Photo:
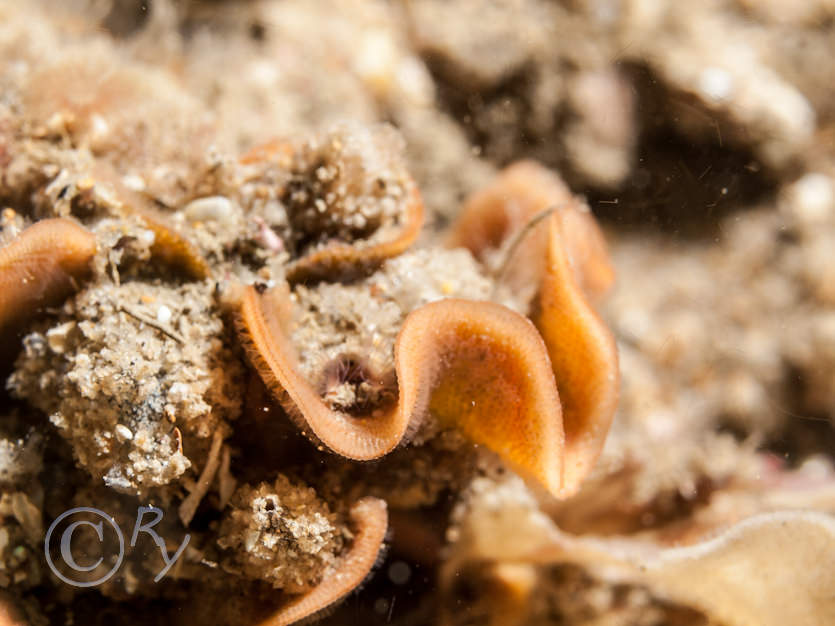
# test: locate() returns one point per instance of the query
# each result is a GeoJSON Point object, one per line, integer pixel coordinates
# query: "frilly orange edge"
{"type": "Point", "coordinates": [575, 273]}
{"type": "Point", "coordinates": [41, 267]}
{"type": "Point", "coordinates": [541, 395]}
{"type": "Point", "coordinates": [370, 521]}
{"type": "Point", "coordinates": [336, 258]}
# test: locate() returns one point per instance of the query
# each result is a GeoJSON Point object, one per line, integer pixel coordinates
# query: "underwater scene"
{"type": "Point", "coordinates": [417, 312]}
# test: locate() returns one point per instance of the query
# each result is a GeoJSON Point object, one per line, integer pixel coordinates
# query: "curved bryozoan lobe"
{"type": "Point", "coordinates": [492, 381]}
{"type": "Point", "coordinates": [478, 366]}
{"type": "Point", "coordinates": [583, 354]}
{"type": "Point", "coordinates": [350, 201]}
{"type": "Point", "coordinates": [170, 246]}
{"type": "Point", "coordinates": [565, 255]}
{"type": "Point", "coordinates": [345, 259]}
{"type": "Point", "coordinates": [492, 216]}
{"type": "Point", "coordinates": [41, 267]}
{"type": "Point", "coordinates": [370, 523]}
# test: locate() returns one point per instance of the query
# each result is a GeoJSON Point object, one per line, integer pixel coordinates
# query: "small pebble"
{"type": "Point", "coordinates": [163, 314]}
{"type": "Point", "coordinates": [134, 182]}
{"type": "Point", "coordinates": [178, 392]}
{"type": "Point", "coordinates": [57, 337]}
{"type": "Point", "coordinates": [211, 208]}
{"type": "Point", "coordinates": [147, 236]}
{"type": "Point", "coordinates": [123, 433]}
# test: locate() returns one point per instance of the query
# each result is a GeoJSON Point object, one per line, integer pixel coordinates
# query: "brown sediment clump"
{"type": "Point", "coordinates": [126, 372]}
{"type": "Point", "coordinates": [170, 247]}
{"type": "Point", "coordinates": [337, 258]}
{"type": "Point", "coordinates": [365, 536]}
{"type": "Point", "coordinates": [282, 533]}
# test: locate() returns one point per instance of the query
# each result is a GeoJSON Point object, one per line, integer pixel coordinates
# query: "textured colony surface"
{"type": "Point", "coordinates": [501, 313]}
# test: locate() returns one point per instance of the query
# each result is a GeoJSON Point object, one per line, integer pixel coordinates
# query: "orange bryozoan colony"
{"type": "Point", "coordinates": [517, 362]}
{"type": "Point", "coordinates": [539, 392]}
